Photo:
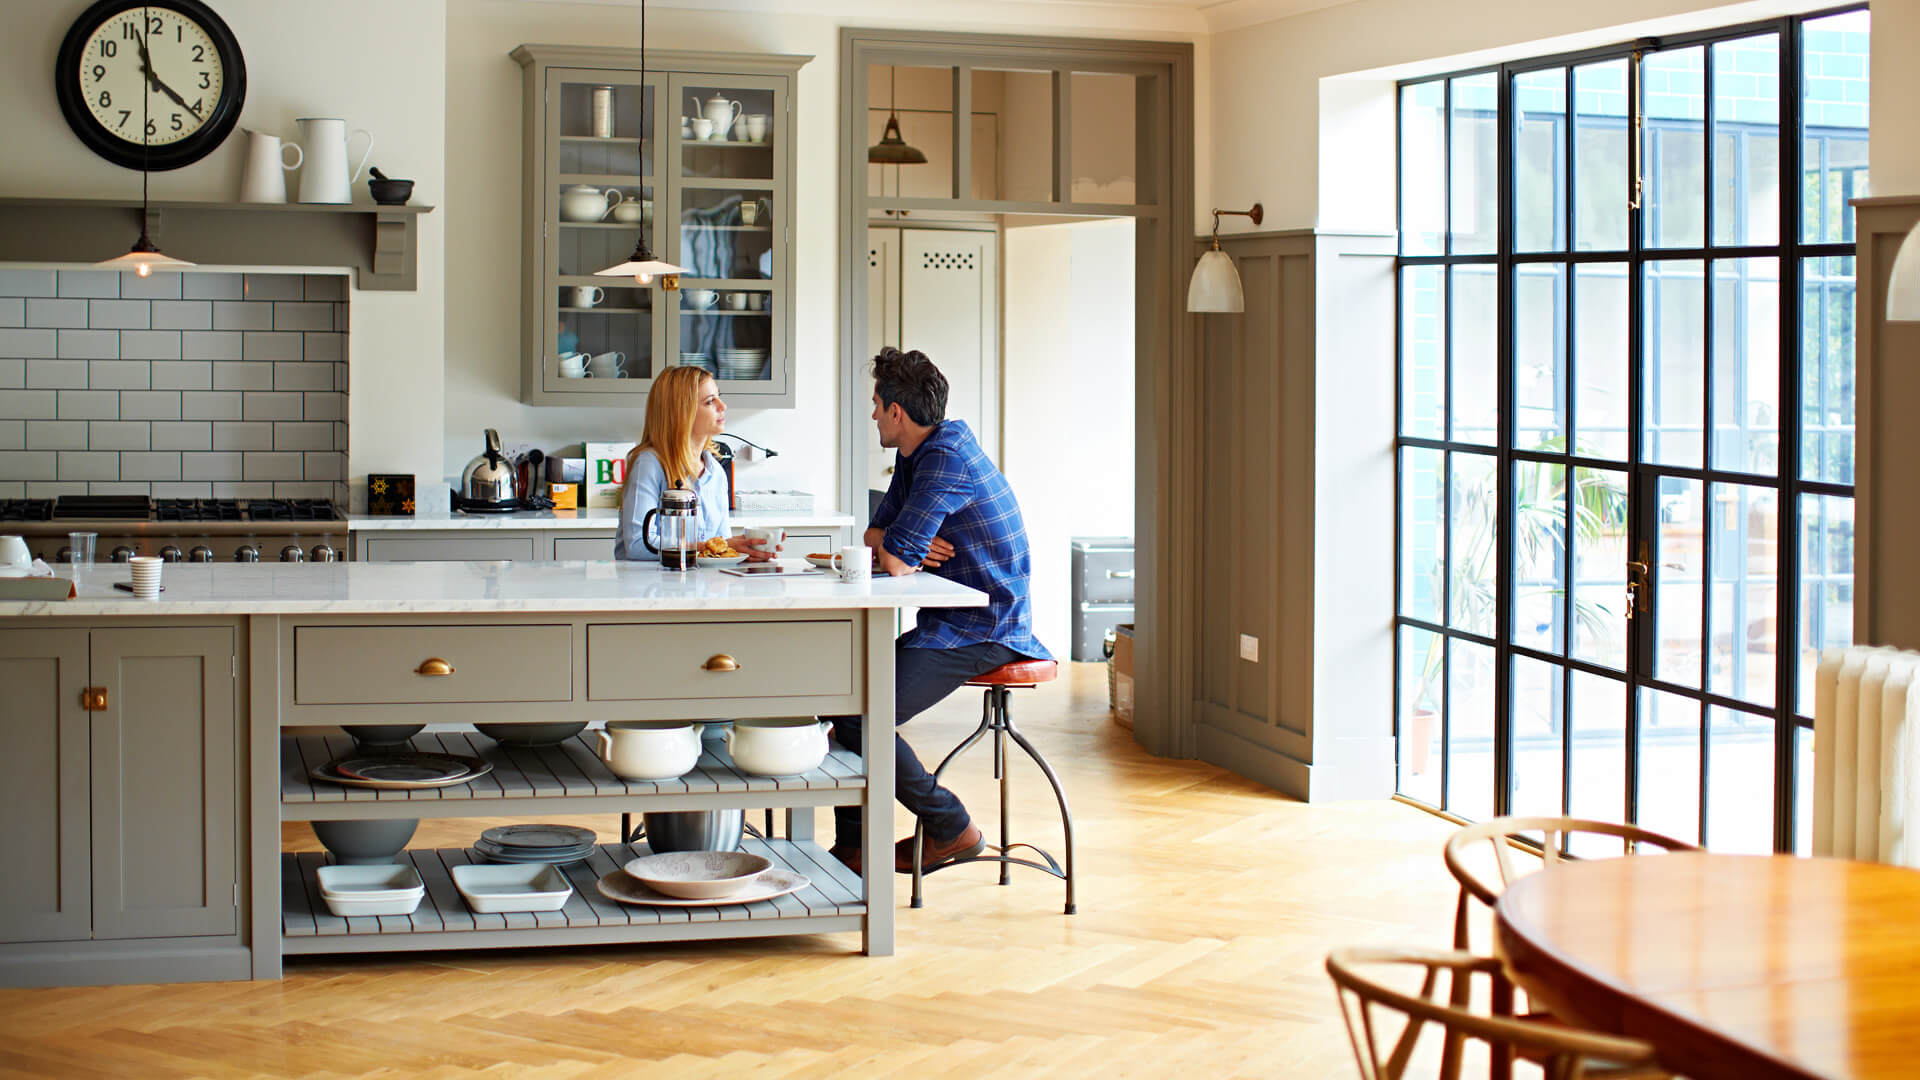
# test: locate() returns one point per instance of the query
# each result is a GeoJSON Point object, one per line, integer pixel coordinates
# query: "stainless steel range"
{"type": "Point", "coordinates": [181, 530]}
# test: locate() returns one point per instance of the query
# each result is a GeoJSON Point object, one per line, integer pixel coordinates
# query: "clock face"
{"type": "Point", "coordinates": [185, 82]}
{"type": "Point", "coordinates": [154, 85]}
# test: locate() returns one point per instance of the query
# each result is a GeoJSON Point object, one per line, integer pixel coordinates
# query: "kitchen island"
{"type": "Point", "coordinates": [148, 743]}
{"type": "Point", "coordinates": [556, 534]}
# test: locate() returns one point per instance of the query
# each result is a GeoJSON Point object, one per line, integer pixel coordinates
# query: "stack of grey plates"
{"type": "Point", "coordinates": [696, 359]}
{"type": "Point", "coordinates": [742, 363]}
{"type": "Point", "coordinates": [557, 844]}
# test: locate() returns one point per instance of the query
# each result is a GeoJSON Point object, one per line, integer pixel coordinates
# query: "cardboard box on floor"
{"type": "Point", "coordinates": [1120, 686]}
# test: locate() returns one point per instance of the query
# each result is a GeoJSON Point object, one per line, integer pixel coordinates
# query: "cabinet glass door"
{"type": "Point", "coordinates": [599, 196]}
{"type": "Point", "coordinates": [730, 221]}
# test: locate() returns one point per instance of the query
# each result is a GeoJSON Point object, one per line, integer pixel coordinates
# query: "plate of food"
{"type": "Point", "coordinates": [823, 560]}
{"type": "Point", "coordinates": [717, 552]}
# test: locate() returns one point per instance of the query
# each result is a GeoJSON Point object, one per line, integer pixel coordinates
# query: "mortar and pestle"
{"type": "Point", "coordinates": [388, 191]}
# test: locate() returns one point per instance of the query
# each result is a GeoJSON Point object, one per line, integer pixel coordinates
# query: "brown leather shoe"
{"type": "Point", "coordinates": [848, 856]}
{"type": "Point", "coordinates": [966, 845]}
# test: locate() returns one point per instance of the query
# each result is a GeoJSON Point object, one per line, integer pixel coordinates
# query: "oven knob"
{"type": "Point", "coordinates": [65, 555]}
{"type": "Point", "coordinates": [170, 553]}
{"type": "Point", "coordinates": [292, 553]}
{"type": "Point", "coordinates": [246, 553]}
{"type": "Point", "coordinates": [325, 553]}
{"type": "Point", "coordinates": [122, 553]}
{"type": "Point", "coordinates": [200, 553]}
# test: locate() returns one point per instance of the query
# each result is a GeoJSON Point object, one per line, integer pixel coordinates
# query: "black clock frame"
{"type": "Point", "coordinates": [132, 155]}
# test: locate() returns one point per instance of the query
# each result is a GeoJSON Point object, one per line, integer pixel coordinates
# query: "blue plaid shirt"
{"type": "Point", "coordinates": [949, 489]}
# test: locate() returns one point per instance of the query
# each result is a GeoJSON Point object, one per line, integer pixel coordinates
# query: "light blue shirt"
{"type": "Point", "coordinates": [645, 481]}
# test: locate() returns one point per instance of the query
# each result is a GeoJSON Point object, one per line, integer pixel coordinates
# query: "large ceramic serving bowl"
{"type": "Point", "coordinates": [532, 734]}
{"type": "Point", "coordinates": [779, 746]}
{"type": "Point", "coordinates": [365, 843]}
{"type": "Point", "coordinates": [383, 734]}
{"type": "Point", "coordinates": [650, 749]}
{"type": "Point", "coordinates": [699, 875]}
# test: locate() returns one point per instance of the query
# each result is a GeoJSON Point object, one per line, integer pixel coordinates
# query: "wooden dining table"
{"type": "Point", "coordinates": [1730, 965]}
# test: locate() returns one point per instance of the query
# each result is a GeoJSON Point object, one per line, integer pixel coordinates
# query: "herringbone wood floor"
{"type": "Point", "coordinates": [1207, 905]}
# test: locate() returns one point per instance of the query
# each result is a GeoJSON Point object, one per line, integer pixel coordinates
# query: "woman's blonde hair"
{"type": "Point", "coordinates": [671, 403]}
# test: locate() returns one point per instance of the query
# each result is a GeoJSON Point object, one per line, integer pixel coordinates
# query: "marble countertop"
{"type": "Point", "coordinates": [606, 518]}
{"type": "Point", "coordinates": [358, 588]}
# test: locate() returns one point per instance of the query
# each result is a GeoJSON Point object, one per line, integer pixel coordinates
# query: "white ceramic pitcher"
{"type": "Point", "coordinates": [264, 178]}
{"type": "Point", "coordinates": [719, 110]}
{"type": "Point", "coordinates": [325, 179]}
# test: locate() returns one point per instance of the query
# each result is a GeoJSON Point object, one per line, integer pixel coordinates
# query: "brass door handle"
{"type": "Point", "coordinates": [433, 665]}
{"type": "Point", "coordinates": [721, 662]}
{"type": "Point", "coordinates": [94, 699]}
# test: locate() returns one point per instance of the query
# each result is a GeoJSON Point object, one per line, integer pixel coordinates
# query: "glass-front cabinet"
{"type": "Point", "coordinates": [698, 154]}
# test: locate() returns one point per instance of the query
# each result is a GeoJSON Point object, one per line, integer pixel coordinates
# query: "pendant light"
{"type": "Point", "coordinates": [892, 149]}
{"type": "Point", "coordinates": [1216, 284]}
{"type": "Point", "coordinates": [144, 258]}
{"type": "Point", "coordinates": [643, 265]}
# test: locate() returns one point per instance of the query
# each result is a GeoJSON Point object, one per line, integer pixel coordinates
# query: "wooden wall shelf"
{"type": "Point", "coordinates": [380, 243]}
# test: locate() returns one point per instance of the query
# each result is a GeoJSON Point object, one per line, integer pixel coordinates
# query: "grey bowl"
{"type": "Point", "coordinates": [383, 734]}
{"type": "Point", "coordinates": [365, 843]}
{"type": "Point", "coordinates": [532, 734]}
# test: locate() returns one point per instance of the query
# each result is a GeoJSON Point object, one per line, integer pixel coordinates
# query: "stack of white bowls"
{"type": "Point", "coordinates": [146, 576]}
{"type": "Point", "coordinates": [696, 359]}
{"type": "Point", "coordinates": [742, 363]}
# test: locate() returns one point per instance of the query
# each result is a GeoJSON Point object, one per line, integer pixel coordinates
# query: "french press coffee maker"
{"type": "Point", "coordinates": [677, 518]}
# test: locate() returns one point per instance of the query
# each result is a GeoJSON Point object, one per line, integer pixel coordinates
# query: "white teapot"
{"type": "Point", "coordinates": [719, 110]}
{"type": "Point", "coordinates": [584, 203]}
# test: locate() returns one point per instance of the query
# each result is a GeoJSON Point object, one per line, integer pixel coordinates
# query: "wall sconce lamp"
{"type": "Point", "coordinates": [1903, 284]}
{"type": "Point", "coordinates": [1216, 284]}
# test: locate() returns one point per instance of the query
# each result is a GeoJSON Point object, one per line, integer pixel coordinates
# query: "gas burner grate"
{"type": "Point", "coordinates": [26, 509]}
{"type": "Point", "coordinates": [291, 510]}
{"type": "Point", "coordinates": [197, 510]}
{"type": "Point", "coordinates": [103, 507]}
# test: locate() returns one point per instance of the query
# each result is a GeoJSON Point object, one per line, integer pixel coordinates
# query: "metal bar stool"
{"type": "Point", "coordinates": [997, 718]}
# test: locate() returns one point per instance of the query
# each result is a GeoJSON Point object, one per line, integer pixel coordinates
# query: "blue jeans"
{"type": "Point", "coordinates": [921, 678]}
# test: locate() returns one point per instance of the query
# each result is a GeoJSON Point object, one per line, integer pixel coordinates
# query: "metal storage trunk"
{"type": "Point", "coordinates": [1102, 591]}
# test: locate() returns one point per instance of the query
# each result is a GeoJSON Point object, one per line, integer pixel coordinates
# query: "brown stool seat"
{"type": "Point", "coordinates": [1018, 673]}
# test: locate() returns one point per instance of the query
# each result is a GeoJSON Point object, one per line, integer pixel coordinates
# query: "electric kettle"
{"type": "Point", "coordinates": [489, 484]}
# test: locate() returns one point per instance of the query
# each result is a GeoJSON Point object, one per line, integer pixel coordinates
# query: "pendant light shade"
{"type": "Point", "coordinates": [892, 149]}
{"type": "Point", "coordinates": [1216, 284]}
{"type": "Point", "coordinates": [1903, 284]}
{"type": "Point", "coordinates": [143, 258]}
{"type": "Point", "coordinates": [643, 266]}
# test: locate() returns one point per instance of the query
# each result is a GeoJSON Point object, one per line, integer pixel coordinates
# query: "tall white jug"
{"type": "Point", "coordinates": [325, 179]}
{"type": "Point", "coordinates": [264, 179]}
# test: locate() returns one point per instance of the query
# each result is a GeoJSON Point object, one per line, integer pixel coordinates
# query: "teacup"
{"type": "Point", "coordinates": [738, 301]}
{"type": "Point", "coordinates": [699, 298]}
{"type": "Point", "coordinates": [573, 366]}
{"type": "Point", "coordinates": [702, 129]}
{"type": "Point", "coordinates": [586, 295]}
{"type": "Point", "coordinates": [608, 365]}
{"type": "Point", "coordinates": [629, 212]}
{"type": "Point", "coordinates": [756, 125]}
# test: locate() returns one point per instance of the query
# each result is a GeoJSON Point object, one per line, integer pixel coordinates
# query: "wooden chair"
{"type": "Point", "coordinates": [1502, 834]}
{"type": "Point", "coordinates": [1563, 1053]}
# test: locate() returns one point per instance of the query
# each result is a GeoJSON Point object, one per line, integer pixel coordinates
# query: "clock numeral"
{"type": "Point", "coordinates": [179, 33]}
{"type": "Point", "coordinates": [152, 129]}
{"type": "Point", "coordinates": [106, 99]}
{"type": "Point", "coordinates": [128, 32]}
{"type": "Point", "coordinates": [206, 81]}
{"type": "Point", "coordinates": [153, 24]}
{"type": "Point", "coordinates": [176, 122]}
{"type": "Point", "coordinates": [125, 115]}
{"type": "Point", "coordinates": [99, 71]}
{"type": "Point", "coordinates": [109, 48]}
{"type": "Point", "coordinates": [199, 54]}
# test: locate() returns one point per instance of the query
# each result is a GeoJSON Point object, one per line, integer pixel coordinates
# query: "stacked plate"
{"type": "Point", "coordinates": [403, 769]}
{"type": "Point", "coordinates": [742, 363]}
{"type": "Point", "coordinates": [696, 359]}
{"type": "Point", "coordinates": [555, 844]}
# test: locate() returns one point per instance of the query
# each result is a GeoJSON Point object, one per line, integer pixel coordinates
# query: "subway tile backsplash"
{"type": "Point", "coordinates": [194, 385]}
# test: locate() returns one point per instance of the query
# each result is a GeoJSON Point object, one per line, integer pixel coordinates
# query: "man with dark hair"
{"type": "Point", "coordinates": [950, 512]}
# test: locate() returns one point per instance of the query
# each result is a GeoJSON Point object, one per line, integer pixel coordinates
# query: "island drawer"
{"type": "Point", "coordinates": [684, 661]}
{"type": "Point", "coordinates": [392, 665]}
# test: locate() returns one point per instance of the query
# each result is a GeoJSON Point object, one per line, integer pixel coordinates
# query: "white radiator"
{"type": "Point", "coordinates": [1866, 755]}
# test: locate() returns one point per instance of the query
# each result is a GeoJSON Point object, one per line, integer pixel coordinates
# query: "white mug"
{"type": "Point", "coordinates": [738, 301]}
{"type": "Point", "coordinates": [854, 563]}
{"type": "Point", "coordinates": [264, 178]}
{"type": "Point", "coordinates": [14, 553]}
{"type": "Point", "coordinates": [607, 365]}
{"type": "Point", "coordinates": [699, 298]}
{"type": "Point", "coordinates": [573, 366]}
{"type": "Point", "coordinates": [587, 295]}
{"type": "Point", "coordinates": [756, 124]}
{"type": "Point", "coordinates": [771, 538]}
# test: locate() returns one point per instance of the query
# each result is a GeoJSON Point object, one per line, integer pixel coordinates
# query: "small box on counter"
{"type": "Point", "coordinates": [567, 470]}
{"type": "Point", "coordinates": [564, 496]}
{"type": "Point", "coordinates": [606, 472]}
{"type": "Point", "coordinates": [390, 494]}
{"type": "Point", "coordinates": [36, 588]}
{"type": "Point", "coordinates": [776, 501]}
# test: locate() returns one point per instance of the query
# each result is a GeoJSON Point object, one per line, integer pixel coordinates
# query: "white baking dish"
{"type": "Point", "coordinates": [498, 887]}
{"type": "Point", "coordinates": [370, 890]}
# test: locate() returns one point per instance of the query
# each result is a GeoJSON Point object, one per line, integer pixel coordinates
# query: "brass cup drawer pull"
{"type": "Point", "coordinates": [720, 662]}
{"type": "Point", "coordinates": [433, 665]}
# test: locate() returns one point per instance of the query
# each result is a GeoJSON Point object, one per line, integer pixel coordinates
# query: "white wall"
{"type": "Point", "coordinates": [1069, 378]}
{"type": "Point", "coordinates": [378, 64]}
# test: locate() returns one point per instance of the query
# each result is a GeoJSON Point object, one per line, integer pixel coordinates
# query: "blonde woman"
{"type": "Point", "coordinates": [684, 413]}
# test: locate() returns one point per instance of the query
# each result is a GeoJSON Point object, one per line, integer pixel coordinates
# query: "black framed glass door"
{"type": "Point", "coordinates": [1626, 423]}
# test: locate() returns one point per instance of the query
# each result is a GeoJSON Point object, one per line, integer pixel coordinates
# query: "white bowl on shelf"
{"type": "Point", "coordinates": [500, 887]}
{"type": "Point", "coordinates": [699, 875]}
{"type": "Point", "coordinates": [370, 890]}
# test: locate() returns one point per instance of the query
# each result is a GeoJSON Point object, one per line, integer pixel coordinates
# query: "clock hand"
{"type": "Point", "coordinates": [153, 78]}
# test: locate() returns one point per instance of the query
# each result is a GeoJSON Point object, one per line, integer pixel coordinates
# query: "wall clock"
{"type": "Point", "coordinates": [194, 77]}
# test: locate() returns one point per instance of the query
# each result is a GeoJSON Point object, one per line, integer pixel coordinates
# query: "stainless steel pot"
{"type": "Point", "coordinates": [695, 830]}
{"type": "Point", "coordinates": [489, 482]}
